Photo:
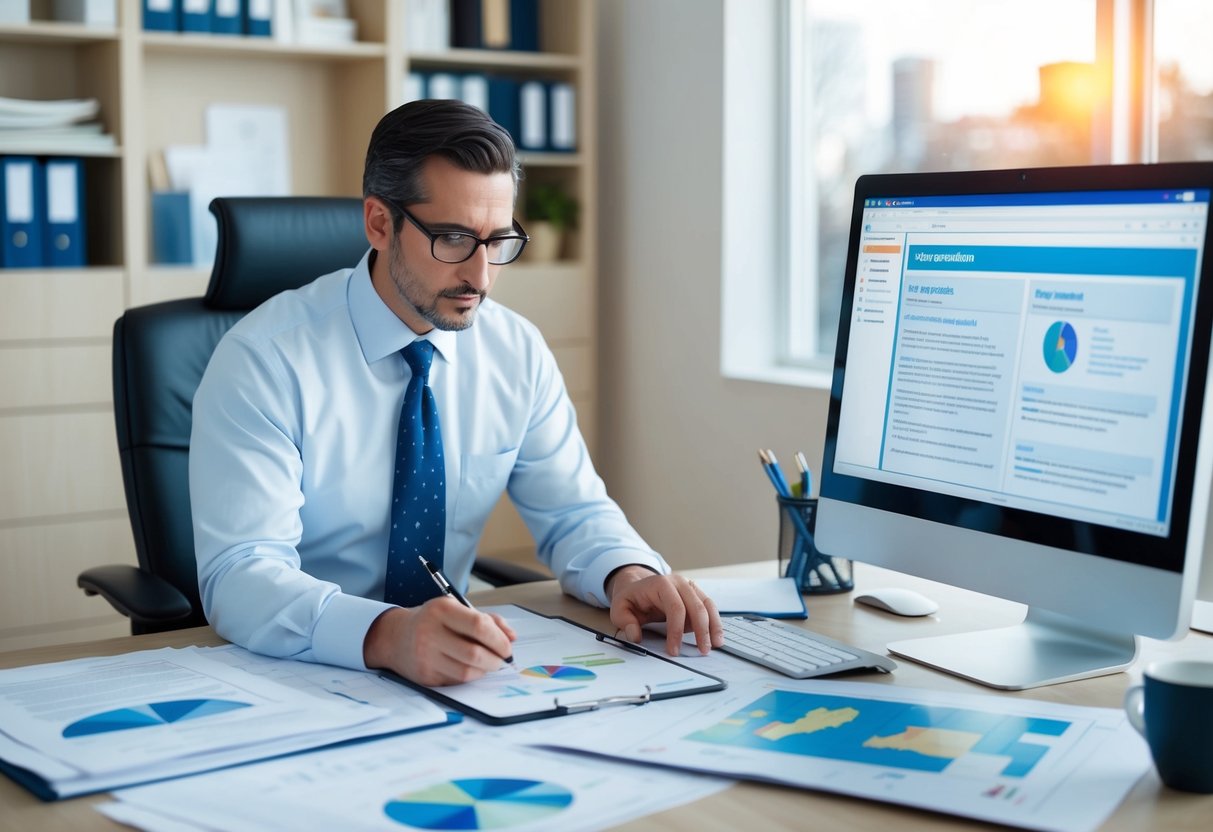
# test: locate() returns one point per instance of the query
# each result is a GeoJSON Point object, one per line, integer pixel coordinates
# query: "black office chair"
{"type": "Point", "coordinates": [266, 245]}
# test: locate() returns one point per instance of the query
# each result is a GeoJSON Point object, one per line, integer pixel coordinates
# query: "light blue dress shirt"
{"type": "Point", "coordinates": [291, 463]}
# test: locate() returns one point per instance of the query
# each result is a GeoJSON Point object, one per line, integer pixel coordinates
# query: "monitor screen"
{"type": "Point", "coordinates": [1022, 356]}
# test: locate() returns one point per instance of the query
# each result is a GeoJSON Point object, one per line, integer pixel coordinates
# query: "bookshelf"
{"type": "Point", "coordinates": [61, 504]}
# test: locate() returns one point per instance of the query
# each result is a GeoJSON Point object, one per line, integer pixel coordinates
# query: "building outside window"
{"type": "Point", "coordinates": [915, 85]}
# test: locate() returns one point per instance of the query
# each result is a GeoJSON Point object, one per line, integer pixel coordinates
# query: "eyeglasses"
{"type": "Point", "coordinates": [457, 246]}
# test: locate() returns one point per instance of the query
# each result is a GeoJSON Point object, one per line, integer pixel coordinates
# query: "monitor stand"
{"type": "Point", "coordinates": [1045, 649]}
{"type": "Point", "coordinates": [1202, 616]}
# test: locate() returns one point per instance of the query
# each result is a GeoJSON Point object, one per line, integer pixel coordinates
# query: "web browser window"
{"type": "Point", "coordinates": [1025, 350]}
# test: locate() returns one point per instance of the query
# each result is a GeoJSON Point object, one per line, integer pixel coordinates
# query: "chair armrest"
{"type": "Point", "coordinates": [500, 572]}
{"type": "Point", "coordinates": [140, 596]}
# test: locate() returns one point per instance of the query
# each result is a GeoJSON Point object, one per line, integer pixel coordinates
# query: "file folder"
{"type": "Point", "coordinates": [414, 87]}
{"type": "Point", "coordinates": [63, 243]}
{"type": "Point", "coordinates": [196, 15]}
{"type": "Point", "coordinates": [474, 90]}
{"type": "Point", "coordinates": [562, 102]}
{"type": "Point", "coordinates": [524, 25]}
{"type": "Point", "coordinates": [466, 24]}
{"type": "Point", "coordinates": [258, 21]}
{"type": "Point", "coordinates": [442, 85]}
{"type": "Point", "coordinates": [503, 103]}
{"type": "Point", "coordinates": [228, 17]}
{"type": "Point", "coordinates": [21, 198]}
{"type": "Point", "coordinates": [162, 15]}
{"type": "Point", "coordinates": [533, 119]}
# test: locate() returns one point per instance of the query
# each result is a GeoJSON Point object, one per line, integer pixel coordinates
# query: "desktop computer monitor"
{"type": "Point", "coordinates": [1017, 402]}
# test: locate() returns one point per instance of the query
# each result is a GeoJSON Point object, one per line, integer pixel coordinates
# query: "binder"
{"type": "Point", "coordinates": [474, 90]}
{"type": "Point", "coordinates": [562, 667]}
{"type": "Point", "coordinates": [495, 24]}
{"type": "Point", "coordinates": [172, 240]}
{"type": "Point", "coordinates": [258, 18]}
{"type": "Point", "coordinates": [503, 103]}
{"type": "Point", "coordinates": [227, 17]}
{"type": "Point", "coordinates": [533, 119]}
{"type": "Point", "coordinates": [21, 211]}
{"type": "Point", "coordinates": [162, 15]}
{"type": "Point", "coordinates": [63, 244]}
{"type": "Point", "coordinates": [196, 15]}
{"type": "Point", "coordinates": [442, 85]}
{"type": "Point", "coordinates": [562, 109]}
{"type": "Point", "coordinates": [414, 86]}
{"type": "Point", "coordinates": [524, 25]}
{"type": "Point", "coordinates": [466, 22]}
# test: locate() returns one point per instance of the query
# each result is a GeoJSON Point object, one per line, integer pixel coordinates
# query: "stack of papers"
{"type": "Point", "coordinates": [89, 725]}
{"type": "Point", "coordinates": [64, 126]}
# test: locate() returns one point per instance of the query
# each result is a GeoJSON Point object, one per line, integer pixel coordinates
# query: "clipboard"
{"type": "Point", "coordinates": [562, 667]}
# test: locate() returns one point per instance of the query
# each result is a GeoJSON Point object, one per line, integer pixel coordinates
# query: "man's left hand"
{"type": "Point", "coordinates": [639, 596]}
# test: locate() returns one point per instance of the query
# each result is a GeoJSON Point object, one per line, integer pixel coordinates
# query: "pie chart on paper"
{"type": "Point", "coordinates": [154, 713]}
{"type": "Point", "coordinates": [563, 672]}
{"type": "Point", "coordinates": [479, 803]}
{"type": "Point", "coordinates": [1060, 346]}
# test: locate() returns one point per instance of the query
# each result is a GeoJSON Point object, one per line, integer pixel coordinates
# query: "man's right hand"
{"type": "Point", "coordinates": [441, 642]}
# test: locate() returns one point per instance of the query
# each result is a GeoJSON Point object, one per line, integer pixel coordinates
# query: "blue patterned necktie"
{"type": "Point", "coordinates": [419, 489]}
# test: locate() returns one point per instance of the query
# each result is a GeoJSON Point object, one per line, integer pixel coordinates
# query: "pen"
{"type": "Point", "coordinates": [448, 589]}
{"type": "Point", "coordinates": [773, 473]}
{"type": "Point", "coordinates": [806, 476]}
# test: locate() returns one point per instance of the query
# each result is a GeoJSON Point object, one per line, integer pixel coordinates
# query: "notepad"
{"type": "Point", "coordinates": [771, 597]}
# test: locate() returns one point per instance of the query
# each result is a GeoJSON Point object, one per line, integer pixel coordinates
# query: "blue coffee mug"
{"type": "Point", "coordinates": [1173, 710]}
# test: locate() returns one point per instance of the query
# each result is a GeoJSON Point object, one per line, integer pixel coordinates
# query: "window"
{"type": "Point", "coordinates": [908, 85]}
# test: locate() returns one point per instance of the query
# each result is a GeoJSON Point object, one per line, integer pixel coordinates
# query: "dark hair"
{"type": "Point", "coordinates": [408, 135]}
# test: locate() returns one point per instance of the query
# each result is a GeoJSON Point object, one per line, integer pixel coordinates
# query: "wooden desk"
{"type": "Point", "coordinates": [1149, 806]}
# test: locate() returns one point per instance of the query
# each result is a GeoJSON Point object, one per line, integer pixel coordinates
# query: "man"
{"type": "Point", "coordinates": [384, 409]}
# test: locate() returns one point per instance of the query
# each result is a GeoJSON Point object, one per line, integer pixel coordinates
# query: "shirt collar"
{"type": "Point", "coordinates": [380, 333]}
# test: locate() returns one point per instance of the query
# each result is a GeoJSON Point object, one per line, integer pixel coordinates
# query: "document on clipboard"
{"type": "Point", "coordinates": [561, 667]}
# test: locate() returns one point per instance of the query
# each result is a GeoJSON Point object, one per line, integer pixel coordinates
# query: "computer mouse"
{"type": "Point", "coordinates": [897, 601]}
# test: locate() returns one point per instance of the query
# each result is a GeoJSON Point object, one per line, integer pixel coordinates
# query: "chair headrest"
{"type": "Point", "coordinates": [270, 244]}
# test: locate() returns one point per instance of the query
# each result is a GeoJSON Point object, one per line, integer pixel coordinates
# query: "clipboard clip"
{"type": "Point", "coordinates": [604, 702]}
{"type": "Point", "coordinates": [621, 644]}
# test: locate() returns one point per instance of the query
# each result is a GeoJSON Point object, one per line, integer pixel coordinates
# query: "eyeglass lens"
{"type": "Point", "coordinates": [454, 247]}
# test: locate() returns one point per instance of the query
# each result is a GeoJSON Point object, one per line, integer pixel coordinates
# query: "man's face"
{"type": "Point", "coordinates": [426, 293]}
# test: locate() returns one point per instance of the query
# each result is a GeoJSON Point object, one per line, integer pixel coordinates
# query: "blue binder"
{"type": "Point", "coordinates": [227, 17]}
{"type": "Point", "coordinates": [172, 240]}
{"type": "Point", "coordinates": [21, 200]}
{"type": "Point", "coordinates": [63, 244]}
{"type": "Point", "coordinates": [162, 15]}
{"type": "Point", "coordinates": [503, 103]}
{"type": "Point", "coordinates": [196, 15]}
{"type": "Point", "coordinates": [258, 18]}
{"type": "Point", "coordinates": [524, 25]}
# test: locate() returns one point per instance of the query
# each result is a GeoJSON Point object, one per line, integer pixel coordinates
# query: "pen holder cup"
{"type": "Point", "coordinates": [814, 572]}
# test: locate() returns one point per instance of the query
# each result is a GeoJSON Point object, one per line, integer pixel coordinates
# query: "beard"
{"type": "Point", "coordinates": [411, 289]}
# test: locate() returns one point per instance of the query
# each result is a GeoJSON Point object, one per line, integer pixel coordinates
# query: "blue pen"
{"type": "Point", "coordinates": [781, 484]}
{"type": "Point", "coordinates": [806, 476]}
{"type": "Point", "coordinates": [781, 488]}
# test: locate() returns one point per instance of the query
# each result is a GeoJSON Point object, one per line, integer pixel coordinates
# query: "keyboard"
{"type": "Point", "coordinates": [794, 651]}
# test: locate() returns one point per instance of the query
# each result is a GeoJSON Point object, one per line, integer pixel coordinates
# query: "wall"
{"type": "Point", "coordinates": [677, 441]}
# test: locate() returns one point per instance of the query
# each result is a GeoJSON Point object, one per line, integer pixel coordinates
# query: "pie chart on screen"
{"type": "Point", "coordinates": [1060, 346]}
{"type": "Point", "coordinates": [479, 803]}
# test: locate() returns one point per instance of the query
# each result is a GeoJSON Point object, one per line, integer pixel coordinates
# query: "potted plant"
{"type": "Point", "coordinates": [550, 212]}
